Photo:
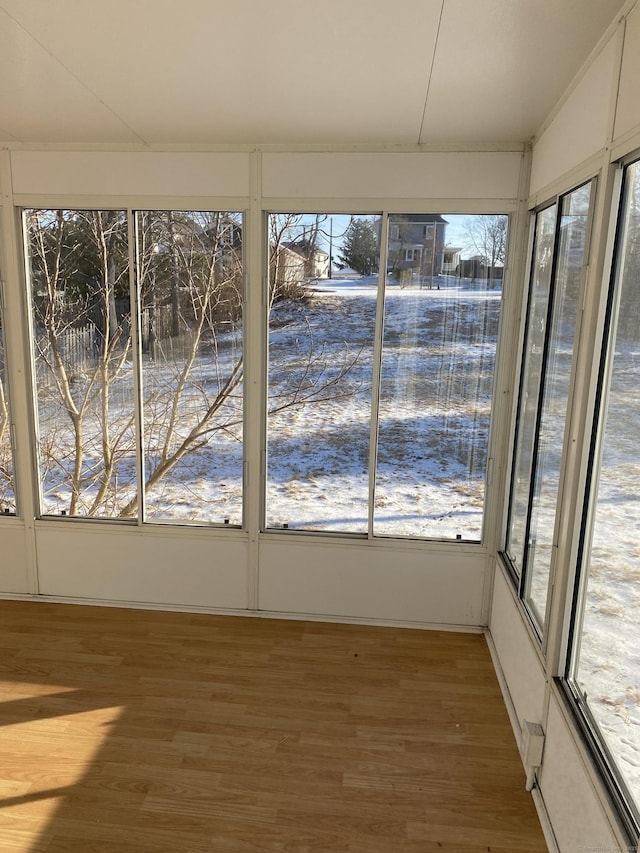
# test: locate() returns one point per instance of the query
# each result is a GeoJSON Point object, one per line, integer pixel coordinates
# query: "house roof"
{"type": "Point", "coordinates": [301, 249]}
{"type": "Point", "coordinates": [418, 218]}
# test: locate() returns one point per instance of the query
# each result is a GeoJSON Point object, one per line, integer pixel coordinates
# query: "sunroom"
{"type": "Point", "coordinates": [333, 313]}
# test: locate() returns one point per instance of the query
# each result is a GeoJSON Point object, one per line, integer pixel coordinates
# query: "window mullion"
{"type": "Point", "coordinates": [377, 370]}
{"type": "Point", "coordinates": [134, 301]}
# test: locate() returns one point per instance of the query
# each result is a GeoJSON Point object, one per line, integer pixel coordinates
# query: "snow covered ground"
{"type": "Point", "coordinates": [435, 397]}
{"type": "Point", "coordinates": [609, 663]}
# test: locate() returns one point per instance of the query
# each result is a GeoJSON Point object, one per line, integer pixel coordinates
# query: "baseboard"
{"type": "Point", "coordinates": [538, 799]}
{"type": "Point", "coordinates": [255, 614]}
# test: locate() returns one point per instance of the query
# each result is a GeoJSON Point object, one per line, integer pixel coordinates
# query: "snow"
{"type": "Point", "coordinates": [437, 368]}
{"type": "Point", "coordinates": [609, 662]}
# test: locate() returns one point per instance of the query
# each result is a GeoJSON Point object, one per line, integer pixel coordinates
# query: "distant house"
{"type": "Point", "coordinates": [316, 261]}
{"type": "Point", "coordinates": [416, 245]}
{"type": "Point", "coordinates": [287, 268]}
{"type": "Point", "coordinates": [451, 261]}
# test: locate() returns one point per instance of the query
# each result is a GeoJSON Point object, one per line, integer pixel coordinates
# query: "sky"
{"type": "Point", "coordinates": [337, 223]}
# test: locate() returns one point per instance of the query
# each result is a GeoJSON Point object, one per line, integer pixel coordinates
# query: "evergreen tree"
{"type": "Point", "coordinates": [360, 247]}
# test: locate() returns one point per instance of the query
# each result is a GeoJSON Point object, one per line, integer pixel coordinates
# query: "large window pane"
{"type": "Point", "coordinates": [321, 332]}
{"type": "Point", "coordinates": [606, 665]}
{"type": "Point", "coordinates": [531, 383]}
{"type": "Point", "coordinates": [441, 315]}
{"type": "Point", "coordinates": [567, 287]}
{"type": "Point", "coordinates": [80, 314]}
{"type": "Point", "coordinates": [7, 492]}
{"type": "Point", "coordinates": [190, 285]}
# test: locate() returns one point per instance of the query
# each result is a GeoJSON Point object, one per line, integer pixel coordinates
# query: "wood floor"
{"type": "Point", "coordinates": [134, 731]}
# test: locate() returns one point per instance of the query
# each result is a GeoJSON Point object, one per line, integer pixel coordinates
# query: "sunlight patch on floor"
{"type": "Point", "coordinates": [31, 728]}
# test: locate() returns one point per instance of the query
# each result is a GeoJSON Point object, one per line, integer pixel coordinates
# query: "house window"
{"type": "Point", "coordinates": [7, 488]}
{"type": "Point", "coordinates": [411, 255]}
{"type": "Point", "coordinates": [139, 390]}
{"type": "Point", "coordinates": [557, 274]}
{"type": "Point", "coordinates": [602, 669]}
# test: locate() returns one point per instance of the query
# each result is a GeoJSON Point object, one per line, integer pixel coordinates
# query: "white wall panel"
{"type": "Point", "coordinates": [370, 582]}
{"type": "Point", "coordinates": [130, 173]}
{"type": "Point", "coordinates": [158, 566]}
{"type": "Point", "coordinates": [628, 110]}
{"type": "Point", "coordinates": [478, 175]}
{"type": "Point", "coordinates": [576, 813]}
{"type": "Point", "coordinates": [13, 557]}
{"type": "Point", "coordinates": [579, 129]}
{"type": "Point", "coordinates": [520, 663]}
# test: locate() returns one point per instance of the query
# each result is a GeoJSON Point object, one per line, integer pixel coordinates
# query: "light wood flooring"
{"type": "Point", "coordinates": [129, 731]}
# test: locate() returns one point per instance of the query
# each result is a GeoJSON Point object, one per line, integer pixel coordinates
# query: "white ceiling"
{"type": "Point", "coordinates": [289, 71]}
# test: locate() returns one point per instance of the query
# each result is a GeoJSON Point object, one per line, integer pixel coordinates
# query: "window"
{"type": "Point", "coordinates": [438, 358]}
{"type": "Point", "coordinates": [380, 428]}
{"type": "Point", "coordinates": [559, 259]}
{"type": "Point", "coordinates": [603, 662]}
{"type": "Point", "coordinates": [379, 386]}
{"type": "Point", "coordinates": [190, 301]}
{"type": "Point", "coordinates": [81, 325]}
{"type": "Point", "coordinates": [177, 456]}
{"type": "Point", "coordinates": [7, 490]}
{"type": "Point", "coordinates": [321, 339]}
{"type": "Point", "coordinates": [411, 254]}
{"type": "Point", "coordinates": [531, 382]}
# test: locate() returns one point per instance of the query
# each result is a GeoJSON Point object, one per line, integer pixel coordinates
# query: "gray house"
{"type": "Point", "coordinates": [416, 246]}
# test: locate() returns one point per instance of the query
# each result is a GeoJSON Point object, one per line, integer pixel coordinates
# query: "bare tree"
{"type": "Point", "coordinates": [486, 236]}
{"type": "Point", "coordinates": [74, 287]}
{"type": "Point", "coordinates": [7, 492]}
{"type": "Point", "coordinates": [189, 314]}
{"type": "Point", "coordinates": [204, 263]}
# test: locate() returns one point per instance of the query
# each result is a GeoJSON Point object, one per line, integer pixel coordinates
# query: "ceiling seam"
{"type": "Point", "coordinates": [75, 76]}
{"type": "Point", "coordinates": [433, 62]}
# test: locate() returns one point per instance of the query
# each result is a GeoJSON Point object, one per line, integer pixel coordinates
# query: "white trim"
{"type": "Point", "coordinates": [538, 799]}
{"type": "Point", "coordinates": [278, 148]}
{"type": "Point", "coordinates": [391, 206]}
{"type": "Point", "coordinates": [378, 336]}
{"type": "Point", "coordinates": [569, 181]}
{"type": "Point", "coordinates": [545, 821]}
{"type": "Point", "coordinates": [75, 201]}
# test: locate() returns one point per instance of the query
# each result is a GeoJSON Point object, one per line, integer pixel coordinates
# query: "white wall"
{"type": "Point", "coordinates": [451, 176]}
{"type": "Point", "coordinates": [333, 177]}
{"type": "Point", "coordinates": [13, 556]}
{"type": "Point", "coordinates": [627, 119]}
{"type": "Point", "coordinates": [597, 116]}
{"type": "Point", "coordinates": [296, 573]}
{"type": "Point", "coordinates": [597, 121]}
{"type": "Point", "coordinates": [130, 173]}
{"type": "Point", "coordinates": [573, 801]}
{"type": "Point", "coordinates": [580, 129]}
